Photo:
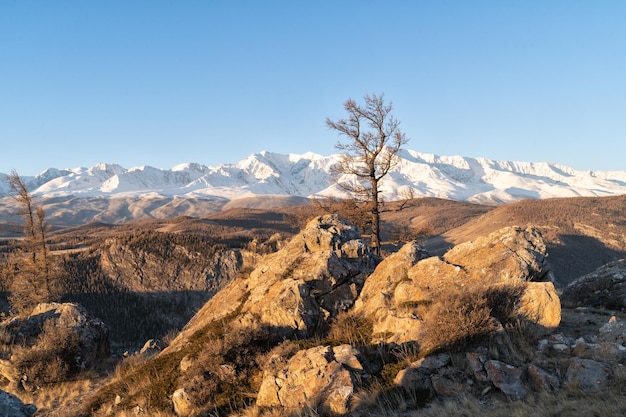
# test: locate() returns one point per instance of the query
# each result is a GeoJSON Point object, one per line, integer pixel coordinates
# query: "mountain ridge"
{"type": "Point", "coordinates": [478, 180]}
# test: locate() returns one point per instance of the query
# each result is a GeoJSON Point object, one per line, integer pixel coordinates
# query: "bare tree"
{"type": "Point", "coordinates": [370, 152]}
{"type": "Point", "coordinates": [30, 268]}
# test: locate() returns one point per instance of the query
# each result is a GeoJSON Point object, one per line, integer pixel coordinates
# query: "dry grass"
{"type": "Point", "coordinates": [57, 399]}
{"type": "Point", "coordinates": [348, 328]}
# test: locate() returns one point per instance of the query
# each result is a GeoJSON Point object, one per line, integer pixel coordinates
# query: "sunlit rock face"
{"type": "Point", "coordinates": [401, 289]}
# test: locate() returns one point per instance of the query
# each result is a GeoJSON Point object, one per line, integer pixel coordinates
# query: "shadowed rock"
{"type": "Point", "coordinates": [11, 406]}
{"type": "Point", "coordinates": [603, 288]}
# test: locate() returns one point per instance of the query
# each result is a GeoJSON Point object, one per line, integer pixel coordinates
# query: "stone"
{"type": "Point", "coordinates": [540, 305]}
{"type": "Point", "coordinates": [543, 380]}
{"type": "Point", "coordinates": [413, 379]}
{"type": "Point", "coordinates": [12, 406]}
{"type": "Point", "coordinates": [613, 331]}
{"type": "Point", "coordinates": [183, 407]}
{"type": "Point", "coordinates": [589, 375]}
{"type": "Point", "coordinates": [603, 288]}
{"type": "Point", "coordinates": [313, 378]}
{"type": "Point", "coordinates": [432, 362]}
{"type": "Point", "coordinates": [417, 375]}
{"type": "Point", "coordinates": [447, 387]}
{"type": "Point", "coordinates": [347, 355]}
{"type": "Point", "coordinates": [150, 348]}
{"type": "Point", "coordinates": [476, 362]}
{"type": "Point", "coordinates": [507, 378]}
{"type": "Point", "coordinates": [508, 253]}
{"type": "Point", "coordinates": [607, 352]}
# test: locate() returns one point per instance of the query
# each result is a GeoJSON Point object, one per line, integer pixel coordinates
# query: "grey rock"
{"type": "Point", "coordinates": [591, 376]}
{"type": "Point", "coordinates": [12, 406]}
{"type": "Point", "coordinates": [507, 378]}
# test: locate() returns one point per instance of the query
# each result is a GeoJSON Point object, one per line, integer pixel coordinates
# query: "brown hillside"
{"type": "Point", "coordinates": [581, 233]}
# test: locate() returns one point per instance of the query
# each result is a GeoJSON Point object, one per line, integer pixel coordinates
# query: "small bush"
{"type": "Point", "coordinates": [456, 318]}
{"type": "Point", "coordinates": [53, 357]}
{"type": "Point", "coordinates": [348, 328]}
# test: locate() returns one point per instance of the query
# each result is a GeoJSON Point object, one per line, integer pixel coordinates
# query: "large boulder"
{"type": "Point", "coordinates": [603, 288]}
{"type": "Point", "coordinates": [92, 333]}
{"type": "Point", "coordinates": [509, 262]}
{"type": "Point", "coordinates": [508, 253]}
{"type": "Point", "coordinates": [322, 377]}
{"type": "Point", "coordinates": [389, 293]}
{"type": "Point", "coordinates": [53, 341]}
{"type": "Point", "coordinates": [540, 305]}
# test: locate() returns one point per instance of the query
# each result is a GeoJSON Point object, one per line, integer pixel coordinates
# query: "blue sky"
{"type": "Point", "coordinates": [166, 82]}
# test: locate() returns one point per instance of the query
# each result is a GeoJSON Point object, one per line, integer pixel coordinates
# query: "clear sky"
{"type": "Point", "coordinates": [166, 82]}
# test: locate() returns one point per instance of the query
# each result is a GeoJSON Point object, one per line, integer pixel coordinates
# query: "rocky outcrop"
{"type": "Point", "coordinates": [389, 293]}
{"type": "Point", "coordinates": [177, 269]}
{"type": "Point", "coordinates": [509, 253]}
{"type": "Point", "coordinates": [319, 273]}
{"type": "Point", "coordinates": [63, 332]}
{"type": "Point", "coordinates": [321, 378]}
{"type": "Point", "coordinates": [91, 332]}
{"type": "Point", "coordinates": [298, 289]}
{"type": "Point", "coordinates": [399, 292]}
{"type": "Point", "coordinates": [589, 364]}
{"type": "Point", "coordinates": [237, 340]}
{"type": "Point", "coordinates": [603, 288]}
{"type": "Point", "coordinates": [294, 292]}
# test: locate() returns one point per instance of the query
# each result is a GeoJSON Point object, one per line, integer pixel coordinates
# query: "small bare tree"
{"type": "Point", "coordinates": [371, 151]}
{"type": "Point", "coordinates": [30, 269]}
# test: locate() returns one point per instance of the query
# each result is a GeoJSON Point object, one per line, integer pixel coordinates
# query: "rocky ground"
{"type": "Point", "coordinates": [324, 327]}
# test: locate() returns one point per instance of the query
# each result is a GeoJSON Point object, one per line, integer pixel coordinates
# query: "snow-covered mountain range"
{"type": "Point", "coordinates": [453, 177]}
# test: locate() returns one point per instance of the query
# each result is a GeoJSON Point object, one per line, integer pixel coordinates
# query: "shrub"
{"type": "Point", "coordinates": [351, 329]}
{"type": "Point", "coordinates": [456, 318]}
{"type": "Point", "coordinates": [53, 357]}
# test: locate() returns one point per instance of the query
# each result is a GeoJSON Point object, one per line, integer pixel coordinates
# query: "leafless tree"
{"type": "Point", "coordinates": [30, 269]}
{"type": "Point", "coordinates": [370, 152]}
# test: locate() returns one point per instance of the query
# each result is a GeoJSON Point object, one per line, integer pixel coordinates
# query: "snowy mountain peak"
{"type": "Point", "coordinates": [304, 175]}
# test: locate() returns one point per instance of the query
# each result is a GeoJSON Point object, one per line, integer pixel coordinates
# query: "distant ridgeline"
{"type": "Point", "coordinates": [111, 193]}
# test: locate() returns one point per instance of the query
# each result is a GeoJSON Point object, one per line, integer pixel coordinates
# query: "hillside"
{"type": "Point", "coordinates": [148, 279]}
{"type": "Point", "coordinates": [581, 234]}
{"type": "Point", "coordinates": [322, 327]}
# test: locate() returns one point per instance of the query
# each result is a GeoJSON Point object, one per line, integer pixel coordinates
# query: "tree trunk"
{"type": "Point", "coordinates": [376, 229]}
{"type": "Point", "coordinates": [375, 214]}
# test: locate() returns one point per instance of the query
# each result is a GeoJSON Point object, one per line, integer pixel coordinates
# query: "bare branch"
{"type": "Point", "coordinates": [369, 154]}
